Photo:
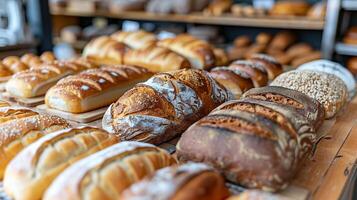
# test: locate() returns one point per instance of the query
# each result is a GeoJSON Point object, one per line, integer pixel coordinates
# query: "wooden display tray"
{"type": "Point", "coordinates": [28, 102]}
{"type": "Point", "coordinates": [80, 117]}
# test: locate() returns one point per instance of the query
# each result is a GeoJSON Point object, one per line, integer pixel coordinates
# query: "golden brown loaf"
{"type": "Point", "coordinates": [286, 8]}
{"type": "Point", "coordinates": [270, 64]}
{"type": "Point", "coordinates": [281, 41]}
{"type": "Point", "coordinates": [192, 181]}
{"type": "Point", "coordinates": [164, 106]}
{"type": "Point", "coordinates": [105, 51]}
{"type": "Point", "coordinates": [106, 174]}
{"type": "Point", "coordinates": [256, 71]}
{"type": "Point", "coordinates": [221, 57]}
{"type": "Point", "coordinates": [198, 52]}
{"type": "Point", "coordinates": [351, 36]}
{"type": "Point", "coordinates": [31, 60]}
{"type": "Point", "coordinates": [36, 81]}
{"type": "Point", "coordinates": [242, 41]}
{"type": "Point", "coordinates": [4, 71]}
{"type": "Point", "coordinates": [20, 127]}
{"type": "Point", "coordinates": [135, 40]}
{"type": "Point", "coordinates": [11, 65]}
{"type": "Point", "coordinates": [156, 59]}
{"type": "Point", "coordinates": [217, 7]}
{"type": "Point", "coordinates": [94, 88]}
{"type": "Point", "coordinates": [32, 171]}
{"type": "Point", "coordinates": [263, 38]}
{"type": "Point", "coordinates": [352, 65]}
{"type": "Point", "coordinates": [4, 104]}
{"type": "Point", "coordinates": [299, 49]}
{"type": "Point", "coordinates": [48, 57]}
{"type": "Point", "coordinates": [315, 55]}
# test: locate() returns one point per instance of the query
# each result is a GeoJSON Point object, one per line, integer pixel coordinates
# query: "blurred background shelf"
{"type": "Point", "coordinates": [349, 5]}
{"type": "Point", "coordinates": [345, 49]}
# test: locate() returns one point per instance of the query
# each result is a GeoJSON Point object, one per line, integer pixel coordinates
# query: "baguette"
{"type": "Point", "coordinates": [156, 59]}
{"type": "Point", "coordinates": [104, 175]}
{"type": "Point", "coordinates": [20, 127]}
{"type": "Point", "coordinates": [30, 173]}
{"type": "Point", "coordinates": [105, 51]}
{"type": "Point", "coordinates": [198, 52]}
{"type": "Point", "coordinates": [135, 40]}
{"type": "Point", "coordinates": [192, 181]}
{"type": "Point", "coordinates": [94, 88]}
{"type": "Point", "coordinates": [36, 81]}
{"type": "Point", "coordinates": [164, 106]}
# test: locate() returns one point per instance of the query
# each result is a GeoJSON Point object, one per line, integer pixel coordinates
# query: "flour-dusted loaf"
{"type": "Point", "coordinates": [105, 50]}
{"type": "Point", "coordinates": [94, 88]}
{"type": "Point", "coordinates": [191, 181]}
{"type": "Point", "coordinates": [156, 59]}
{"type": "Point", "coordinates": [261, 141]}
{"type": "Point", "coordinates": [135, 39]}
{"type": "Point", "coordinates": [106, 174]}
{"type": "Point", "coordinates": [31, 172]}
{"type": "Point", "coordinates": [164, 106]}
{"type": "Point", "coordinates": [36, 81]}
{"type": "Point", "coordinates": [20, 127]}
{"type": "Point", "coordinates": [198, 52]}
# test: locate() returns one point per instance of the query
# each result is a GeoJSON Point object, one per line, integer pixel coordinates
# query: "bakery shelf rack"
{"type": "Point", "coordinates": [345, 49]}
{"type": "Point", "coordinates": [349, 4]}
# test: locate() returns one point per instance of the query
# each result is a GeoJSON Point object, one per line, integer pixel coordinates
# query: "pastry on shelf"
{"type": "Point", "coordinates": [247, 11]}
{"type": "Point", "coordinates": [242, 41]}
{"type": "Point", "coordinates": [351, 36]}
{"type": "Point", "coordinates": [317, 11]}
{"type": "Point", "coordinates": [290, 8]}
{"type": "Point", "coordinates": [117, 6]}
{"type": "Point", "coordinates": [352, 65]}
{"type": "Point", "coordinates": [217, 7]}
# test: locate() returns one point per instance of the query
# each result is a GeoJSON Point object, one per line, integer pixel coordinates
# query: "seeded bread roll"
{"type": "Point", "coordinates": [20, 127]}
{"type": "Point", "coordinates": [135, 40]}
{"type": "Point", "coordinates": [106, 174]}
{"type": "Point", "coordinates": [255, 70]}
{"type": "Point", "coordinates": [48, 157]}
{"type": "Point", "coordinates": [270, 64]}
{"type": "Point", "coordinates": [328, 89]}
{"type": "Point", "coordinates": [192, 181]}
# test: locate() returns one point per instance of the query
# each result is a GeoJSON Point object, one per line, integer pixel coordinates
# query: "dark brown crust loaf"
{"type": "Point", "coordinates": [192, 181]}
{"type": "Point", "coordinates": [271, 65]}
{"type": "Point", "coordinates": [256, 71]}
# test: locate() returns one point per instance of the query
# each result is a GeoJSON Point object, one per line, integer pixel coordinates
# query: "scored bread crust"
{"type": "Point", "coordinates": [183, 182]}
{"type": "Point", "coordinates": [256, 71]}
{"type": "Point", "coordinates": [198, 52]}
{"type": "Point", "coordinates": [136, 39]}
{"type": "Point", "coordinates": [270, 64]}
{"type": "Point", "coordinates": [164, 106]}
{"type": "Point", "coordinates": [105, 174]}
{"type": "Point", "coordinates": [156, 59]}
{"type": "Point", "coordinates": [30, 173]}
{"type": "Point", "coordinates": [94, 88]}
{"type": "Point", "coordinates": [20, 127]}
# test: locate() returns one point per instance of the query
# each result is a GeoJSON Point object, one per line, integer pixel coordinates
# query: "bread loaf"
{"type": "Point", "coordinates": [31, 60]}
{"type": "Point", "coordinates": [255, 70]}
{"type": "Point", "coordinates": [135, 40]}
{"type": "Point", "coordinates": [4, 71]}
{"type": "Point", "coordinates": [351, 36]}
{"type": "Point", "coordinates": [36, 81]}
{"type": "Point", "coordinates": [94, 88]}
{"type": "Point", "coordinates": [156, 59]}
{"type": "Point", "coordinates": [105, 51]}
{"type": "Point", "coordinates": [4, 104]}
{"type": "Point", "coordinates": [221, 57]}
{"type": "Point", "coordinates": [290, 8]}
{"type": "Point", "coordinates": [30, 173]}
{"type": "Point", "coordinates": [104, 175]}
{"type": "Point", "coordinates": [164, 106]}
{"type": "Point", "coordinates": [192, 181]}
{"type": "Point", "coordinates": [270, 64]}
{"type": "Point", "coordinates": [218, 7]}
{"type": "Point", "coordinates": [198, 52]}
{"type": "Point", "coordinates": [12, 64]}
{"type": "Point", "coordinates": [20, 127]}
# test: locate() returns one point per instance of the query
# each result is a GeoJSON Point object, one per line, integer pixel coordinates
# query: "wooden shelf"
{"type": "Point", "coordinates": [346, 49]}
{"type": "Point", "coordinates": [349, 5]}
{"type": "Point", "coordinates": [228, 19]}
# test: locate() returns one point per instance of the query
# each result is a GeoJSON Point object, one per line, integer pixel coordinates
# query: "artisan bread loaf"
{"type": "Point", "coordinates": [94, 88]}
{"type": "Point", "coordinates": [106, 174]}
{"type": "Point", "coordinates": [221, 57]}
{"type": "Point", "coordinates": [256, 71]}
{"type": "Point", "coordinates": [36, 81]}
{"type": "Point", "coordinates": [105, 50]}
{"type": "Point", "coordinates": [4, 104]}
{"type": "Point", "coordinates": [20, 127]}
{"type": "Point", "coordinates": [198, 52]}
{"type": "Point", "coordinates": [269, 63]}
{"type": "Point", "coordinates": [156, 59]}
{"type": "Point", "coordinates": [4, 71]}
{"type": "Point", "coordinates": [192, 181]}
{"type": "Point", "coordinates": [218, 7]}
{"type": "Point", "coordinates": [30, 173]}
{"type": "Point", "coordinates": [164, 106]}
{"type": "Point", "coordinates": [135, 39]}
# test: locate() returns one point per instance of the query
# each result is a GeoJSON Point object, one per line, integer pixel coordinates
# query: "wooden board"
{"type": "Point", "coordinates": [28, 102]}
{"type": "Point", "coordinates": [81, 117]}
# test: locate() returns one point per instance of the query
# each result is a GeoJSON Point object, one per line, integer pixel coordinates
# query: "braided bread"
{"type": "Point", "coordinates": [105, 51]}
{"type": "Point", "coordinates": [30, 173]}
{"type": "Point", "coordinates": [156, 59]}
{"type": "Point", "coordinates": [198, 52]}
{"type": "Point", "coordinates": [94, 88]}
{"type": "Point", "coordinates": [20, 127]}
{"type": "Point", "coordinates": [36, 81]}
{"type": "Point", "coordinates": [135, 40]}
{"type": "Point", "coordinates": [106, 174]}
{"type": "Point", "coordinates": [192, 181]}
{"type": "Point", "coordinates": [164, 106]}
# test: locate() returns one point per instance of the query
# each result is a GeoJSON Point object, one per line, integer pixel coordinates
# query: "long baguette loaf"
{"type": "Point", "coordinates": [20, 127]}
{"type": "Point", "coordinates": [94, 88]}
{"type": "Point", "coordinates": [164, 106]}
{"type": "Point", "coordinates": [31, 172]}
{"type": "Point", "coordinates": [106, 174]}
{"type": "Point", "coordinates": [105, 51]}
{"type": "Point", "coordinates": [36, 81]}
{"type": "Point", "coordinates": [192, 181]}
{"type": "Point", "coordinates": [135, 40]}
{"type": "Point", "coordinates": [156, 59]}
{"type": "Point", "coordinates": [198, 52]}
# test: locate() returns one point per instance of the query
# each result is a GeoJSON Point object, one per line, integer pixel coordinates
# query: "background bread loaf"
{"type": "Point", "coordinates": [135, 40]}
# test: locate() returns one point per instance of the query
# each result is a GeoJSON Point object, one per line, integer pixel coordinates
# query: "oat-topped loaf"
{"type": "Point", "coordinates": [328, 89]}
